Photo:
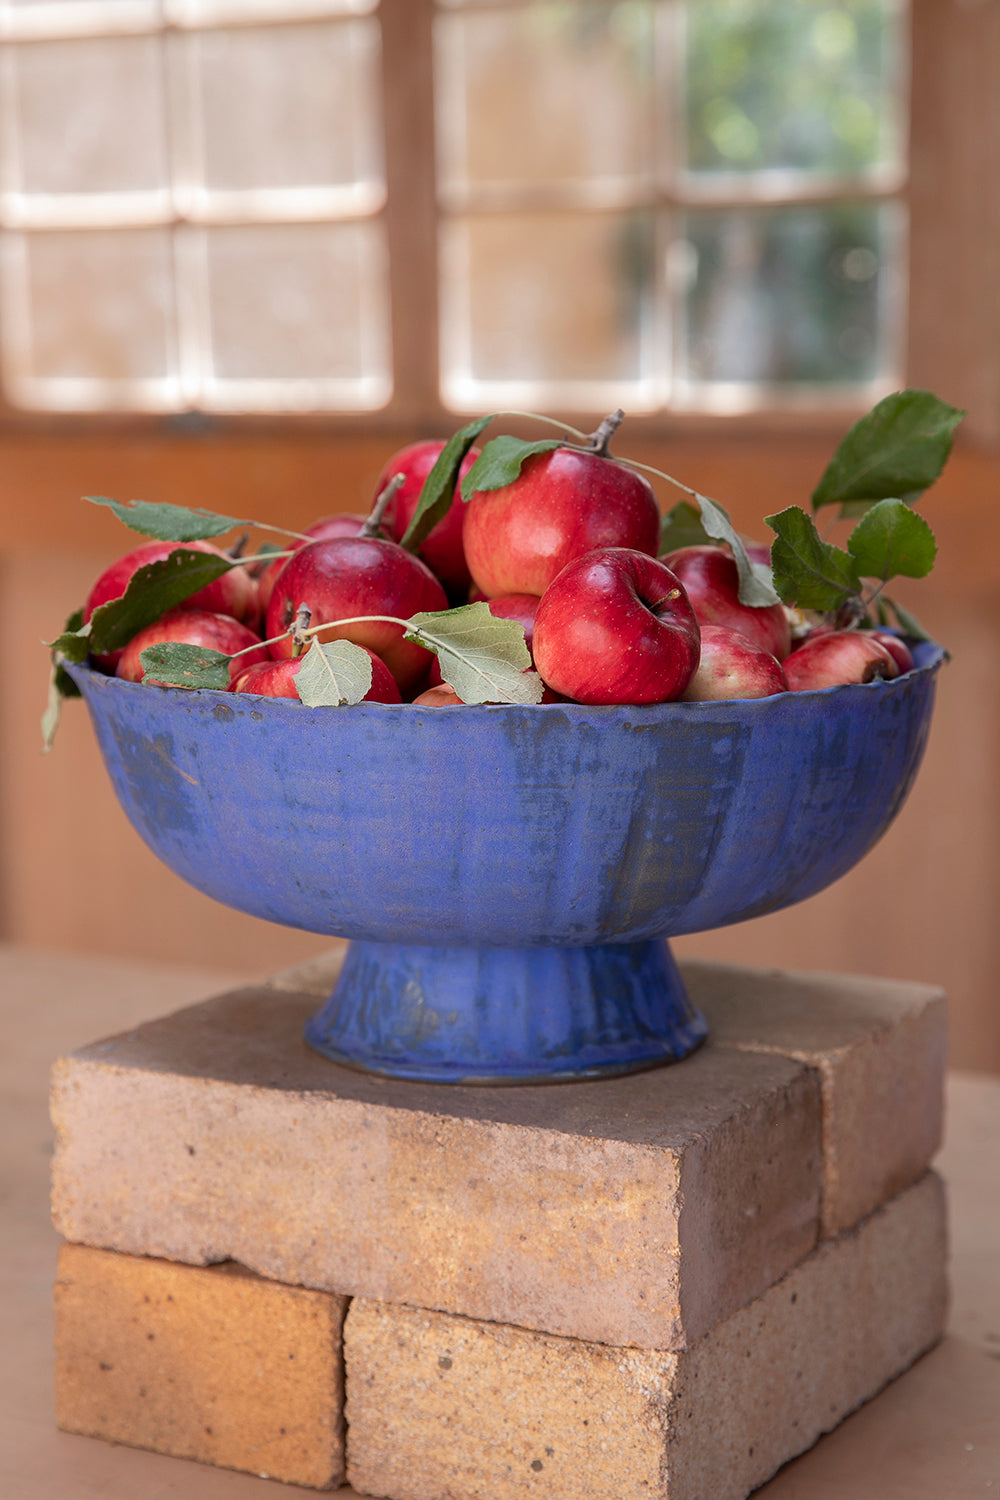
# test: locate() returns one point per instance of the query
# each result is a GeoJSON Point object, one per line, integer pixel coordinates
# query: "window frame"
{"type": "Point", "coordinates": [953, 255]}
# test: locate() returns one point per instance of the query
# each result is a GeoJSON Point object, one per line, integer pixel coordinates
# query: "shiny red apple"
{"type": "Point", "coordinates": [561, 506]}
{"type": "Point", "coordinates": [276, 679]}
{"type": "Point", "coordinates": [346, 577]}
{"type": "Point", "coordinates": [443, 549]}
{"type": "Point", "coordinates": [344, 523]}
{"type": "Point", "coordinates": [235, 593]}
{"type": "Point", "coordinates": [441, 695]}
{"type": "Point", "coordinates": [712, 582]}
{"type": "Point", "coordinates": [897, 648]}
{"type": "Point", "coordinates": [839, 656]}
{"type": "Point", "coordinates": [193, 627]}
{"type": "Point", "coordinates": [732, 666]}
{"type": "Point", "coordinates": [616, 627]}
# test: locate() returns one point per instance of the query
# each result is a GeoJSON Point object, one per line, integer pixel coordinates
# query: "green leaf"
{"type": "Point", "coordinates": [892, 539]}
{"type": "Point", "coordinates": [756, 584]}
{"type": "Point", "coordinates": [151, 591]}
{"type": "Point", "coordinates": [71, 645]}
{"type": "Point", "coordinates": [74, 642]}
{"type": "Point", "coordinates": [900, 447]}
{"type": "Point", "coordinates": [501, 462]}
{"type": "Point", "coordinates": [852, 510]}
{"type": "Point", "coordinates": [176, 664]}
{"type": "Point", "coordinates": [333, 676]}
{"type": "Point", "coordinates": [808, 571]}
{"type": "Point", "coordinates": [169, 523]}
{"type": "Point", "coordinates": [484, 659]}
{"type": "Point", "coordinates": [438, 490]}
{"type": "Point", "coordinates": [908, 624]}
{"type": "Point", "coordinates": [53, 706]}
{"type": "Point", "coordinates": [682, 527]}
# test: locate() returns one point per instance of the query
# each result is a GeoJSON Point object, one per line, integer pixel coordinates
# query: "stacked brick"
{"type": "Point", "coordinates": [661, 1285]}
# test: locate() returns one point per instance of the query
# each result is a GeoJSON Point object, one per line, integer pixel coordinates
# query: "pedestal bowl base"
{"type": "Point", "coordinates": [506, 1015]}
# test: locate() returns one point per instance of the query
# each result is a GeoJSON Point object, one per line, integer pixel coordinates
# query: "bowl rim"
{"type": "Point", "coordinates": [932, 653]}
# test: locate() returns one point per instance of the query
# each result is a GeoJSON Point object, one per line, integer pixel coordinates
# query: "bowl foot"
{"type": "Point", "coordinates": [506, 1015]}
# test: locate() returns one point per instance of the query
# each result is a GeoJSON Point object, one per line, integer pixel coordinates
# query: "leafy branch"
{"type": "Point", "coordinates": [484, 659]}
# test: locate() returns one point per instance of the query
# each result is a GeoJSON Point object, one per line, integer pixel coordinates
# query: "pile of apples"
{"type": "Point", "coordinates": [568, 550]}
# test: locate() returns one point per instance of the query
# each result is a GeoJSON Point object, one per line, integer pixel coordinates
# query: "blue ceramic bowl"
{"type": "Point", "coordinates": [491, 858]}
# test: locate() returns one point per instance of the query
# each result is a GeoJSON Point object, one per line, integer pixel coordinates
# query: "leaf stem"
{"type": "Point", "coordinates": [300, 536]}
{"type": "Point", "coordinates": [266, 557]}
{"type": "Point", "coordinates": [534, 416]}
{"type": "Point", "coordinates": [633, 463]}
{"type": "Point", "coordinates": [421, 633]}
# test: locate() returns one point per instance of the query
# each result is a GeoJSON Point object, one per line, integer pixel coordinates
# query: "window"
{"type": "Point", "coordinates": [190, 206]}
{"type": "Point", "coordinates": [669, 204]}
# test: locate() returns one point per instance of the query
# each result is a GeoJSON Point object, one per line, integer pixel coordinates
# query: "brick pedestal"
{"type": "Point", "coordinates": [666, 1284]}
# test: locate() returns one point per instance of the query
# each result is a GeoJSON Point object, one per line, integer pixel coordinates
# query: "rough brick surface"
{"type": "Point", "coordinates": [879, 1047]}
{"type": "Point", "coordinates": [636, 1210]}
{"type": "Point", "coordinates": [211, 1364]}
{"type": "Point", "coordinates": [445, 1406]}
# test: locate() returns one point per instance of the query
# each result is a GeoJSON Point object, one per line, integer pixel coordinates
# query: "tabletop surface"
{"type": "Point", "coordinates": [933, 1434]}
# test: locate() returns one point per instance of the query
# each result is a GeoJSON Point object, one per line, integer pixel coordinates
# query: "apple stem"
{"type": "Point", "coordinates": [299, 638]}
{"type": "Point", "coordinates": [238, 548]}
{"type": "Point", "coordinates": [598, 441]}
{"type": "Point", "coordinates": [374, 521]}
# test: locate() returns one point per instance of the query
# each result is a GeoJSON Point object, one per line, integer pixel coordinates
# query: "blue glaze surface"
{"type": "Point", "coordinates": [511, 826]}
{"type": "Point", "coordinates": [515, 829]}
{"type": "Point", "coordinates": [483, 1015]}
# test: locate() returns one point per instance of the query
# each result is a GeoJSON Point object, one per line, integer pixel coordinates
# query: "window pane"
{"type": "Point", "coordinates": [208, 12]}
{"type": "Point", "coordinates": [789, 295]}
{"type": "Point", "coordinates": [302, 309]}
{"type": "Point", "coordinates": [557, 299]}
{"type": "Point", "coordinates": [289, 107]}
{"type": "Point", "coordinates": [110, 343]}
{"type": "Point", "coordinates": [545, 94]}
{"type": "Point", "coordinates": [782, 84]}
{"type": "Point", "coordinates": [90, 116]}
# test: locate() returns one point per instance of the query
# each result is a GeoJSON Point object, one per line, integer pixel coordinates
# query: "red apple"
{"type": "Point", "coordinates": [732, 666]}
{"type": "Point", "coordinates": [193, 627]}
{"type": "Point", "coordinates": [276, 679]}
{"type": "Point", "coordinates": [561, 506]}
{"type": "Point", "coordinates": [616, 627]}
{"type": "Point", "coordinates": [235, 593]}
{"type": "Point", "coordinates": [344, 523]}
{"type": "Point", "coordinates": [350, 576]}
{"type": "Point", "coordinates": [712, 582]}
{"type": "Point", "coordinates": [897, 649]}
{"type": "Point", "coordinates": [758, 552]}
{"type": "Point", "coordinates": [839, 656]}
{"type": "Point", "coordinates": [442, 550]}
{"type": "Point", "coordinates": [441, 695]}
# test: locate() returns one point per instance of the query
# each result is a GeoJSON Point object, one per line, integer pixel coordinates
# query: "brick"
{"type": "Point", "coordinates": [444, 1406]}
{"type": "Point", "coordinates": [636, 1210]}
{"type": "Point", "coordinates": [211, 1364]}
{"type": "Point", "coordinates": [879, 1048]}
